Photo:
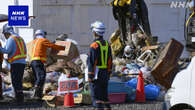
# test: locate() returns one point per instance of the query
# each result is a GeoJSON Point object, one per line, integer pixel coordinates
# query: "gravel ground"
{"type": "Point", "coordinates": [34, 105]}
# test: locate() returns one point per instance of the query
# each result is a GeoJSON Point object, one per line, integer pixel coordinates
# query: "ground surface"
{"type": "Point", "coordinates": [34, 105]}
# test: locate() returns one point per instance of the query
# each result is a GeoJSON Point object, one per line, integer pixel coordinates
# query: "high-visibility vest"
{"type": "Point", "coordinates": [33, 56]}
{"type": "Point", "coordinates": [104, 60]}
{"type": "Point", "coordinates": [20, 50]}
{"type": "Point", "coordinates": [121, 2]}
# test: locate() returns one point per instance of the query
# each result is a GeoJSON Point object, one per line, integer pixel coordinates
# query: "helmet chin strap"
{"type": "Point", "coordinates": [96, 36]}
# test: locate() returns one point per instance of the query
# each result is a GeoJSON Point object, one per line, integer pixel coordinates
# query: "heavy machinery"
{"type": "Point", "coordinates": [132, 15]}
{"type": "Point", "coordinates": [189, 25]}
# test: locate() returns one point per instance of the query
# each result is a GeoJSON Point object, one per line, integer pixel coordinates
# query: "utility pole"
{"type": "Point", "coordinates": [16, 3]}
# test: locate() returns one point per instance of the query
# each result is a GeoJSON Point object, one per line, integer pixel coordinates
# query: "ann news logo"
{"type": "Point", "coordinates": [18, 15]}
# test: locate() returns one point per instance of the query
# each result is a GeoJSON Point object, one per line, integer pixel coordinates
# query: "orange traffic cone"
{"type": "Point", "coordinates": [68, 100]}
{"type": "Point", "coordinates": [140, 94]}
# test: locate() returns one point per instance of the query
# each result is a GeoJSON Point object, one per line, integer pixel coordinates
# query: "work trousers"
{"type": "Point", "coordinates": [99, 87]}
{"type": "Point", "coordinates": [39, 73]}
{"type": "Point", "coordinates": [17, 72]}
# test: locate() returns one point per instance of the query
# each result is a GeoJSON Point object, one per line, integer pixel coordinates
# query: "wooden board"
{"type": "Point", "coordinates": [166, 67]}
{"type": "Point", "coordinates": [149, 47]}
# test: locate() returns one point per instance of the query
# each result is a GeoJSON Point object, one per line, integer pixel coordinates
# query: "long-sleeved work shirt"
{"type": "Point", "coordinates": [10, 49]}
{"type": "Point", "coordinates": [39, 49]}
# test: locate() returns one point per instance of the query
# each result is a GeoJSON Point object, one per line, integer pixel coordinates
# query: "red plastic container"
{"type": "Point", "coordinates": [117, 98]}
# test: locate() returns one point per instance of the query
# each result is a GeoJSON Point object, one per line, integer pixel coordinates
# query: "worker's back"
{"type": "Point", "coordinates": [102, 59]}
{"type": "Point", "coordinates": [39, 50]}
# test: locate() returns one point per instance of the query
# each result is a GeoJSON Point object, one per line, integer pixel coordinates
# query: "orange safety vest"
{"type": "Point", "coordinates": [34, 55]}
{"type": "Point", "coordinates": [20, 51]}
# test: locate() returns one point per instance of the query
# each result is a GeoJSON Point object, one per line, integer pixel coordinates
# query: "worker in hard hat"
{"type": "Point", "coordinates": [16, 50]}
{"type": "Point", "coordinates": [134, 10]}
{"type": "Point", "coordinates": [38, 58]}
{"type": "Point", "coordinates": [99, 66]}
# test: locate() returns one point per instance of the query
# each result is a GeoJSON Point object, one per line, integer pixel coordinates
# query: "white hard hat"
{"type": "Point", "coordinates": [40, 32]}
{"type": "Point", "coordinates": [7, 29]}
{"type": "Point", "coordinates": [128, 51]}
{"type": "Point", "coordinates": [98, 27]}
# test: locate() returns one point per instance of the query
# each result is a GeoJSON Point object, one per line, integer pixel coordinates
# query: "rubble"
{"type": "Point", "coordinates": [28, 76]}
{"type": "Point", "coordinates": [116, 43]}
{"type": "Point", "coordinates": [158, 62]}
{"type": "Point", "coordinates": [156, 65]}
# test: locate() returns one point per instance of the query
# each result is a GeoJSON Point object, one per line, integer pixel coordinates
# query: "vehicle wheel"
{"type": "Point", "coordinates": [182, 107]}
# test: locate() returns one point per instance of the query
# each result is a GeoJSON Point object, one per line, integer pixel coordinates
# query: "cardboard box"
{"type": "Point", "coordinates": [70, 52]}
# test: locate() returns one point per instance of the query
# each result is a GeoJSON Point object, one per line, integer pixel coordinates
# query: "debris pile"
{"type": "Point", "coordinates": [158, 62]}
{"type": "Point", "coordinates": [66, 62]}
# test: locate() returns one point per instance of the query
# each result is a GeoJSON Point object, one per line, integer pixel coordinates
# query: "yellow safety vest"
{"type": "Point", "coordinates": [104, 60]}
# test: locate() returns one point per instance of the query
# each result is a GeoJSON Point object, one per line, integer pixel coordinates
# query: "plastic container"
{"type": "Point", "coordinates": [117, 98]}
{"type": "Point", "coordinates": [118, 87]}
